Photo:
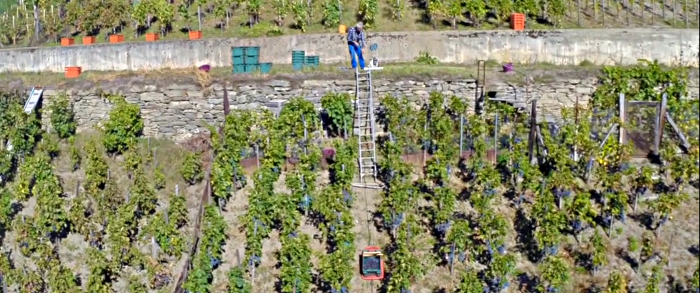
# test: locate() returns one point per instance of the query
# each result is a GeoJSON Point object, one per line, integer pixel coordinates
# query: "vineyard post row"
{"type": "Point", "coordinates": [50, 21]}
{"type": "Point", "coordinates": [535, 139]}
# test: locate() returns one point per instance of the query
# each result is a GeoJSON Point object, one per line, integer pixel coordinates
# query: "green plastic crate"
{"type": "Point", "coordinates": [237, 60]}
{"type": "Point", "coordinates": [297, 66]}
{"type": "Point", "coordinates": [237, 51]}
{"type": "Point", "coordinates": [298, 57]}
{"type": "Point", "coordinates": [251, 60]}
{"type": "Point", "coordinates": [252, 51]}
{"type": "Point", "coordinates": [311, 61]}
{"type": "Point", "coordinates": [251, 68]}
{"type": "Point", "coordinates": [265, 68]}
{"type": "Point", "coordinates": [239, 69]}
{"type": "Point", "coordinates": [298, 60]}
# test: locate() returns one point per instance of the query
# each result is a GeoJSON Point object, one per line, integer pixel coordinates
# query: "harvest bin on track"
{"type": "Point", "coordinates": [372, 263]}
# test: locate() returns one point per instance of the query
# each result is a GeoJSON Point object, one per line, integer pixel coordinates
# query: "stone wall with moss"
{"type": "Point", "coordinates": [180, 110]}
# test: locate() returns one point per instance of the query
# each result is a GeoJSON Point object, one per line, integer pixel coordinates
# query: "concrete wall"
{"type": "Point", "coordinates": [178, 110]}
{"type": "Point", "coordinates": [562, 47]}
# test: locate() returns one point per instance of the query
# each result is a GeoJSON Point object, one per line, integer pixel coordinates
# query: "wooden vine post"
{"type": "Point", "coordinates": [623, 116]}
{"type": "Point", "coordinates": [658, 133]}
{"type": "Point", "coordinates": [425, 129]}
{"type": "Point", "coordinates": [495, 139]}
{"type": "Point", "coordinates": [533, 133]}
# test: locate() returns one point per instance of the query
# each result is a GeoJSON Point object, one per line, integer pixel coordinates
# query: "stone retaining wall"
{"type": "Point", "coordinates": [560, 47]}
{"type": "Point", "coordinates": [177, 111]}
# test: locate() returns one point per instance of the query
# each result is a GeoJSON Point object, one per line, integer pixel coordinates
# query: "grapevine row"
{"type": "Point", "coordinates": [295, 255]}
{"type": "Point", "coordinates": [399, 199]}
{"type": "Point", "coordinates": [334, 207]}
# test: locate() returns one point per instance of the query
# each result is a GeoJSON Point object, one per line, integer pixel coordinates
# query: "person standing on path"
{"type": "Point", "coordinates": [356, 44]}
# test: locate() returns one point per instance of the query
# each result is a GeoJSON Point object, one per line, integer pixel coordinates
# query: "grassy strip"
{"type": "Point", "coordinates": [540, 73]}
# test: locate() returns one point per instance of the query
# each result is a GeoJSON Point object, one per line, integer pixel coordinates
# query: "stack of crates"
{"type": "Point", "coordinates": [300, 60]}
{"type": "Point", "coordinates": [247, 60]}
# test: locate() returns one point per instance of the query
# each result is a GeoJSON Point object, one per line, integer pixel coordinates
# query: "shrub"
{"type": "Point", "coordinates": [75, 158]}
{"type": "Point", "coordinates": [158, 179]}
{"type": "Point", "coordinates": [191, 169]}
{"type": "Point", "coordinates": [49, 145]}
{"type": "Point", "coordinates": [21, 129]}
{"type": "Point", "coordinates": [339, 109]}
{"type": "Point", "coordinates": [123, 126]}
{"type": "Point", "coordinates": [62, 117]}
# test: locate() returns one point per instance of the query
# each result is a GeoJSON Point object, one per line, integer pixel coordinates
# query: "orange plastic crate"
{"type": "Point", "coordinates": [195, 35]}
{"type": "Point", "coordinates": [116, 38]}
{"type": "Point", "coordinates": [73, 71]}
{"type": "Point", "coordinates": [517, 21]}
{"type": "Point", "coordinates": [67, 41]}
{"type": "Point", "coordinates": [151, 37]}
{"type": "Point", "coordinates": [87, 40]}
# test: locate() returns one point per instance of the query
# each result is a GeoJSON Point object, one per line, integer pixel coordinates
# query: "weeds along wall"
{"type": "Point", "coordinates": [560, 47]}
{"type": "Point", "coordinates": [179, 110]}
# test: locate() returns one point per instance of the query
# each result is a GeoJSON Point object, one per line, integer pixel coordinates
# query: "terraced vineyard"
{"type": "Point", "coordinates": [270, 204]}
{"type": "Point", "coordinates": [48, 22]}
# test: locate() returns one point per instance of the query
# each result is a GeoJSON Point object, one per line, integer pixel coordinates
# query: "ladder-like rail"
{"type": "Point", "coordinates": [365, 122]}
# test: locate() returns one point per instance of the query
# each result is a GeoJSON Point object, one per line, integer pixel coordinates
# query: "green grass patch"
{"type": "Point", "coordinates": [323, 72]}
